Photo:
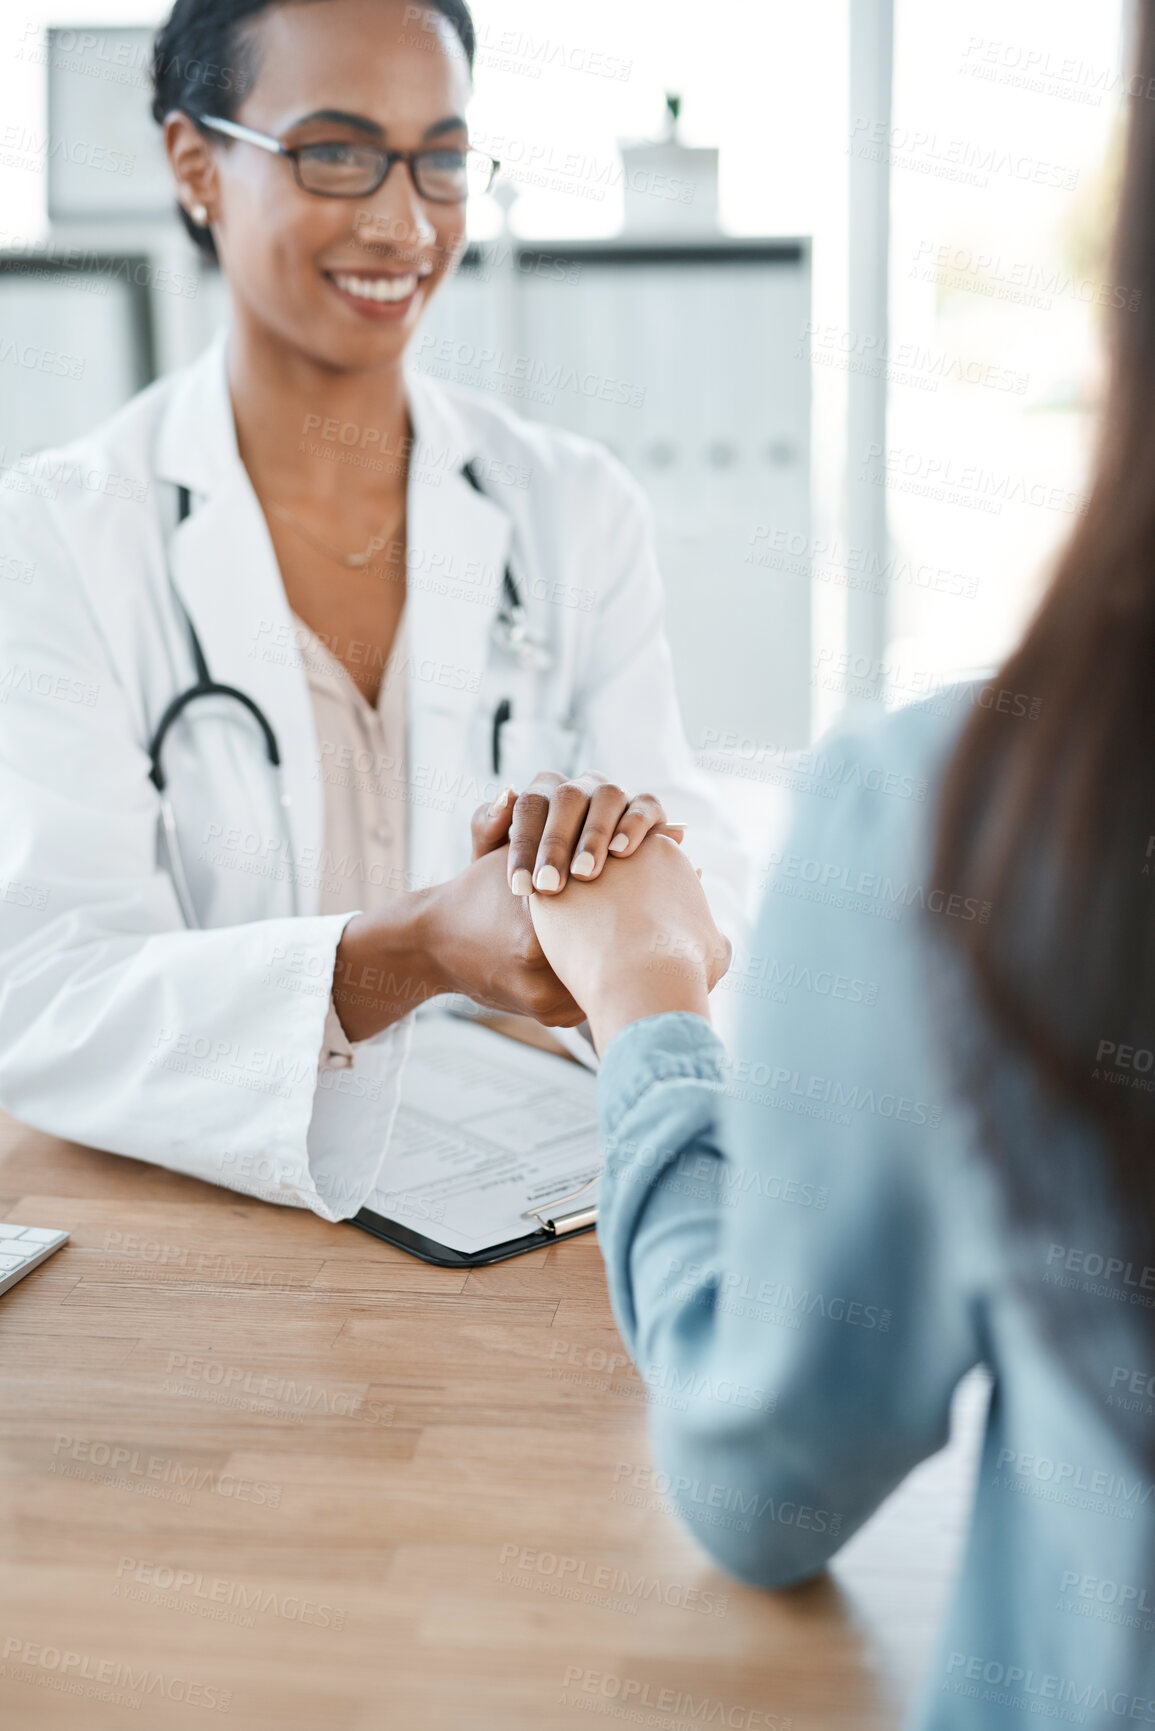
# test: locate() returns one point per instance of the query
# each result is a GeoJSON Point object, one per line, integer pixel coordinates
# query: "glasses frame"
{"type": "Point", "coordinates": [411, 159]}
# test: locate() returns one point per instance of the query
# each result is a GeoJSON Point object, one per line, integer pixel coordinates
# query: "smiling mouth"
{"type": "Point", "coordinates": [381, 289]}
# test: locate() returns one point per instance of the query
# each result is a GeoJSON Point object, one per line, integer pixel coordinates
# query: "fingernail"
{"type": "Point", "coordinates": [522, 884]}
{"type": "Point", "coordinates": [619, 842]}
{"type": "Point", "coordinates": [583, 865]}
{"type": "Point", "coordinates": [501, 802]}
{"type": "Point", "coordinates": [548, 879]}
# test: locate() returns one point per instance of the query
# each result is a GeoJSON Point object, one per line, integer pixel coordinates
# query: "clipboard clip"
{"type": "Point", "coordinates": [556, 1224]}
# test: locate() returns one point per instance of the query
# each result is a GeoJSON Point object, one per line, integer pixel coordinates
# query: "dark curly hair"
{"type": "Point", "coordinates": [204, 59]}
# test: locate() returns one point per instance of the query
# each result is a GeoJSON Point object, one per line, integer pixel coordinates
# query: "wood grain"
{"type": "Point", "coordinates": [263, 1469]}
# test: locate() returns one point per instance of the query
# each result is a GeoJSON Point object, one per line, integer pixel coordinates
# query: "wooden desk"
{"type": "Point", "coordinates": [265, 1471]}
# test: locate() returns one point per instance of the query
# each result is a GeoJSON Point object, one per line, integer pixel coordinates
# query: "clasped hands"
{"type": "Point", "coordinates": [578, 903]}
{"type": "Point", "coordinates": [615, 906]}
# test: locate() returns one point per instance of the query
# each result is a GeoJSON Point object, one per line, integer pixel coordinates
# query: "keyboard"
{"type": "Point", "coordinates": [23, 1248]}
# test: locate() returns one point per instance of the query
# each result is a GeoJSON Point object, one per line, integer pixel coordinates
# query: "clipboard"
{"type": "Point", "coordinates": [391, 1232]}
{"type": "Point", "coordinates": [490, 1135]}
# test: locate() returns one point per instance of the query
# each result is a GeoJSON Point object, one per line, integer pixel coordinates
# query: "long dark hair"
{"type": "Point", "coordinates": [204, 61]}
{"type": "Point", "coordinates": [1048, 806]}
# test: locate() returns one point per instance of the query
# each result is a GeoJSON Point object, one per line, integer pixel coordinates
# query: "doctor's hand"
{"type": "Point", "coordinates": [481, 941]}
{"type": "Point", "coordinates": [560, 828]}
{"type": "Point", "coordinates": [467, 935]}
{"type": "Point", "coordinates": [639, 941]}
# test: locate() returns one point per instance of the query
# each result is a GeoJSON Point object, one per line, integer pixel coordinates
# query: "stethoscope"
{"type": "Point", "coordinates": [510, 631]}
{"type": "Point", "coordinates": [510, 634]}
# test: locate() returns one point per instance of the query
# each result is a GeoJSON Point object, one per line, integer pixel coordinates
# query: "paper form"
{"type": "Point", "coordinates": [487, 1127]}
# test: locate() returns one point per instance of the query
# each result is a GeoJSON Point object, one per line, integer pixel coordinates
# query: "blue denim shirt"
{"type": "Point", "coordinates": [807, 1249]}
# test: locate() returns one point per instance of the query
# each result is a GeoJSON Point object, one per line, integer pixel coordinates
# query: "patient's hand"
{"type": "Point", "coordinates": [638, 940]}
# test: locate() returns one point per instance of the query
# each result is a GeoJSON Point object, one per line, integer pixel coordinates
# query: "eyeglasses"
{"type": "Point", "coordinates": [356, 170]}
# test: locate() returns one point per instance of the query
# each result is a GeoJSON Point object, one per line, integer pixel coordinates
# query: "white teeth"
{"type": "Point", "coordinates": [378, 288]}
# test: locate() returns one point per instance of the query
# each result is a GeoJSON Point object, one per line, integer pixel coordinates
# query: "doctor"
{"type": "Point", "coordinates": [293, 617]}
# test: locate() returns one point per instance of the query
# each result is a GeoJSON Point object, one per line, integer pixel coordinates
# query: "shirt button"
{"type": "Point", "coordinates": [382, 832]}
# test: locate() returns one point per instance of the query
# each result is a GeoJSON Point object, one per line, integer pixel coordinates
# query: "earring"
{"type": "Point", "coordinates": [199, 215]}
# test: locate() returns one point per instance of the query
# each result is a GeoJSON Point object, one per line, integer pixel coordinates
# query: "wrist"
{"type": "Point", "coordinates": [382, 970]}
{"type": "Point", "coordinates": [630, 996]}
{"type": "Point", "coordinates": [428, 934]}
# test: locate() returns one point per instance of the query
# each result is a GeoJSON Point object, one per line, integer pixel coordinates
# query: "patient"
{"type": "Point", "coordinates": [810, 1241]}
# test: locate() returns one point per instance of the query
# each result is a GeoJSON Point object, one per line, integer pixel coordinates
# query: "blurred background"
{"type": "Point", "coordinates": [840, 269]}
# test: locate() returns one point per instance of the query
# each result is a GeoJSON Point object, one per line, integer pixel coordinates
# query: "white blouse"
{"type": "Point", "coordinates": [362, 764]}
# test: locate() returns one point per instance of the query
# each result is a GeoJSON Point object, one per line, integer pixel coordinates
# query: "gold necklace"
{"type": "Point", "coordinates": [351, 561]}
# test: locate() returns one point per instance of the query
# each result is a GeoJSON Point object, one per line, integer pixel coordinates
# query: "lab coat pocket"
{"type": "Point", "coordinates": [530, 746]}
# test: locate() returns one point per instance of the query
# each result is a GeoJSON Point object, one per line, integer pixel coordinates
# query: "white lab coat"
{"type": "Point", "coordinates": [198, 1049]}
